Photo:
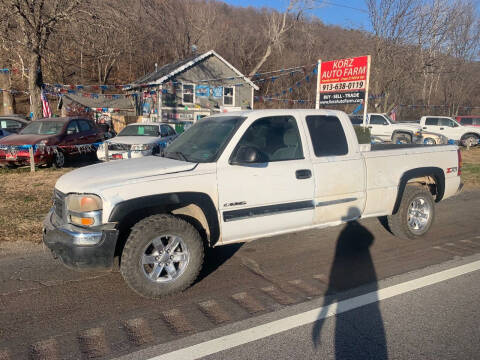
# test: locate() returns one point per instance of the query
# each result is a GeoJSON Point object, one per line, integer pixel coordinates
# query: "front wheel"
{"type": "Point", "coordinates": [401, 139]}
{"type": "Point", "coordinates": [163, 255]}
{"type": "Point", "coordinates": [470, 141]}
{"type": "Point", "coordinates": [415, 215]}
{"type": "Point", "coordinates": [58, 160]}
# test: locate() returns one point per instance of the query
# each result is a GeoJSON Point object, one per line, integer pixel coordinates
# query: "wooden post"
{"type": "Point", "coordinates": [105, 146]}
{"type": "Point", "coordinates": [32, 159]}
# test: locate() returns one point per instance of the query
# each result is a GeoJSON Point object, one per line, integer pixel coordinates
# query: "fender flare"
{"type": "Point", "coordinates": [405, 132]}
{"type": "Point", "coordinates": [435, 172]}
{"type": "Point", "coordinates": [167, 203]}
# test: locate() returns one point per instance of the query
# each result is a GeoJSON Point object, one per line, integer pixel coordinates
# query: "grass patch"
{"type": "Point", "coordinates": [26, 199]}
{"type": "Point", "coordinates": [471, 167]}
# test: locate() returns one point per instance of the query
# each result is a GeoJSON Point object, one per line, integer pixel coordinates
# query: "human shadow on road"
{"type": "Point", "coordinates": [359, 334]}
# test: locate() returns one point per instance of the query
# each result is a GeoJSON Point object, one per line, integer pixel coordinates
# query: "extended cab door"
{"type": "Point", "coordinates": [273, 194]}
{"type": "Point", "coordinates": [379, 126]}
{"type": "Point", "coordinates": [339, 169]}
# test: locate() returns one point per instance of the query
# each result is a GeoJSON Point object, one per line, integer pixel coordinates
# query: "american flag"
{"type": "Point", "coordinates": [393, 113]}
{"type": "Point", "coordinates": [47, 112]}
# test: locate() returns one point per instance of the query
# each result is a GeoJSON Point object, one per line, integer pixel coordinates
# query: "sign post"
{"type": "Point", "coordinates": [365, 103]}
{"type": "Point", "coordinates": [343, 81]}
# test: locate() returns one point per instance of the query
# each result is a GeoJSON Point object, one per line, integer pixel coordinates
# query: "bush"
{"type": "Point", "coordinates": [363, 134]}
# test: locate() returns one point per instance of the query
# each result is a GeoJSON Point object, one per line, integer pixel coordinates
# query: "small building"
{"type": "Point", "coordinates": [193, 88]}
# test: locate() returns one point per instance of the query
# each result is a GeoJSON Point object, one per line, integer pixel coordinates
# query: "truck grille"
{"type": "Point", "coordinates": [119, 147]}
{"type": "Point", "coordinates": [58, 203]}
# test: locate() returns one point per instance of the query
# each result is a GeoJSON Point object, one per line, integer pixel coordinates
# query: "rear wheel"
{"type": "Point", "coordinates": [163, 255]}
{"type": "Point", "coordinates": [401, 139]}
{"type": "Point", "coordinates": [429, 141]}
{"type": "Point", "coordinates": [415, 215]}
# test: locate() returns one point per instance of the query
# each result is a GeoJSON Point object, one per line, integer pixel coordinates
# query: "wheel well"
{"type": "Point", "coordinates": [410, 135]}
{"type": "Point", "coordinates": [470, 134]}
{"type": "Point", "coordinates": [431, 177]}
{"type": "Point", "coordinates": [196, 208]}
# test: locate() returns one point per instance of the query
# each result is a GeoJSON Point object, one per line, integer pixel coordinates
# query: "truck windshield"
{"type": "Point", "coordinates": [204, 141]}
{"type": "Point", "coordinates": [43, 128]}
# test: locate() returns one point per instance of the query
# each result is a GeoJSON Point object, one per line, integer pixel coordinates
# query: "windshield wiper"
{"type": "Point", "coordinates": [177, 154]}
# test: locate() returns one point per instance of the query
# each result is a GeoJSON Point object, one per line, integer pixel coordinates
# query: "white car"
{"type": "Point", "coordinates": [137, 140]}
{"type": "Point", "coordinates": [383, 127]}
{"type": "Point", "coordinates": [466, 135]}
{"type": "Point", "coordinates": [236, 177]}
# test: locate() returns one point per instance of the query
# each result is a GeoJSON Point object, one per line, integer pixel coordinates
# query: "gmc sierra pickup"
{"type": "Point", "coordinates": [237, 177]}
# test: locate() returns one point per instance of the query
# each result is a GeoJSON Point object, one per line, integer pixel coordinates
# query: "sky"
{"type": "Point", "coordinates": [350, 14]}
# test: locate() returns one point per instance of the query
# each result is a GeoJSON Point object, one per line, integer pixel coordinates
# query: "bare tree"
{"type": "Point", "coordinates": [29, 26]}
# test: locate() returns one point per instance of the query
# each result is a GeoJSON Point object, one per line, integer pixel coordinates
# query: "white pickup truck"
{"type": "Point", "coordinates": [467, 135]}
{"type": "Point", "coordinates": [385, 129]}
{"type": "Point", "coordinates": [238, 177]}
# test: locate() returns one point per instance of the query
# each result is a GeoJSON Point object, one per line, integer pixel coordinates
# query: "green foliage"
{"type": "Point", "coordinates": [363, 134]}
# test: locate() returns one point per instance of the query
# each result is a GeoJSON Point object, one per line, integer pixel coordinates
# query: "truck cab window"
{"type": "Point", "coordinates": [377, 120]}
{"type": "Point", "coordinates": [431, 121]}
{"type": "Point", "coordinates": [276, 137]}
{"type": "Point", "coordinates": [328, 137]}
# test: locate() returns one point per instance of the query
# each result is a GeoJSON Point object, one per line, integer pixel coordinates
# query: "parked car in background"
{"type": "Point", "coordinates": [13, 123]}
{"type": "Point", "coordinates": [53, 138]}
{"type": "Point", "coordinates": [466, 135]}
{"type": "Point", "coordinates": [430, 138]}
{"type": "Point", "coordinates": [137, 140]}
{"type": "Point", "coordinates": [469, 120]}
{"type": "Point", "coordinates": [384, 128]}
{"type": "Point", "coordinates": [4, 133]}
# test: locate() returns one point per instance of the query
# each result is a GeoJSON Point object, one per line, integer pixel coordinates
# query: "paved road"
{"type": "Point", "coordinates": [427, 314]}
{"type": "Point", "coordinates": [48, 311]}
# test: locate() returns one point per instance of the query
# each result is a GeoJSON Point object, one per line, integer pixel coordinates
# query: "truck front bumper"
{"type": "Point", "coordinates": [80, 248]}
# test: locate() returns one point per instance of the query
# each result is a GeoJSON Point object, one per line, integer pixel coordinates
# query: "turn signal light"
{"type": "Point", "coordinates": [85, 221]}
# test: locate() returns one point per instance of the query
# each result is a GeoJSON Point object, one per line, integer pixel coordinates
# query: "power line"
{"type": "Point", "coordinates": [345, 6]}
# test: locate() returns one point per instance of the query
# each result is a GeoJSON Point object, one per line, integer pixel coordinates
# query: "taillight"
{"type": "Point", "coordinates": [459, 171]}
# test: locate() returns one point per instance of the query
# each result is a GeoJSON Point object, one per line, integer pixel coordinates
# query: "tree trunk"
{"type": "Point", "coordinates": [8, 101]}
{"type": "Point", "coordinates": [35, 81]}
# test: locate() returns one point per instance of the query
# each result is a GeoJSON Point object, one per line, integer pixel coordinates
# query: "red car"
{"type": "Point", "coordinates": [469, 120]}
{"type": "Point", "coordinates": [53, 138]}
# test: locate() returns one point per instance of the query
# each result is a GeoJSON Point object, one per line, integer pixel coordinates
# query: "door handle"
{"type": "Point", "coordinates": [424, 127]}
{"type": "Point", "coordinates": [369, 127]}
{"type": "Point", "coordinates": [441, 128]}
{"type": "Point", "coordinates": [303, 174]}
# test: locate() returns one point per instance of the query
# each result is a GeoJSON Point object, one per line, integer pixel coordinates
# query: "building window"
{"type": "Point", "coordinates": [228, 93]}
{"type": "Point", "coordinates": [188, 93]}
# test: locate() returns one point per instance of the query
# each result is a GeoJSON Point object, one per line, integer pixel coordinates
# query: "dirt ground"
{"type": "Point", "coordinates": [26, 197]}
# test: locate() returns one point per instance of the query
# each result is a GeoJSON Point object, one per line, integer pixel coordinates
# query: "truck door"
{"type": "Point", "coordinates": [379, 127]}
{"type": "Point", "coordinates": [339, 171]}
{"type": "Point", "coordinates": [273, 193]}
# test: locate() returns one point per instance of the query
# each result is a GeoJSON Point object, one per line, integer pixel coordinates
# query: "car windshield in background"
{"type": "Point", "coordinates": [139, 130]}
{"type": "Point", "coordinates": [204, 141]}
{"type": "Point", "coordinates": [43, 128]}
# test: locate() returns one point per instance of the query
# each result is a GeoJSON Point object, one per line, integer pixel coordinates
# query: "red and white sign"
{"type": "Point", "coordinates": [351, 71]}
{"type": "Point", "coordinates": [343, 81]}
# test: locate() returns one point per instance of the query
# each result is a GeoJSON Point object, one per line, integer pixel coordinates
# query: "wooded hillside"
{"type": "Point", "coordinates": [423, 52]}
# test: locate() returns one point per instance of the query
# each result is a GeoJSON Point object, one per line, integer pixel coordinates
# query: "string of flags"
{"type": "Point", "coordinates": [14, 92]}
{"type": "Point", "coordinates": [14, 70]}
{"type": "Point", "coordinates": [48, 149]}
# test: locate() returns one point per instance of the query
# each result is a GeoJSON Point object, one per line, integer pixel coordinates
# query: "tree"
{"type": "Point", "coordinates": [28, 26]}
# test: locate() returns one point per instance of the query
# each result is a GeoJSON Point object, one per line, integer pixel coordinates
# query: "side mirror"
{"type": "Point", "coordinates": [248, 155]}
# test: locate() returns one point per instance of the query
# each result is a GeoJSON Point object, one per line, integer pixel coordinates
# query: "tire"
{"type": "Point", "coordinates": [470, 140]}
{"type": "Point", "coordinates": [58, 160]}
{"type": "Point", "coordinates": [147, 265]}
{"type": "Point", "coordinates": [401, 139]}
{"type": "Point", "coordinates": [429, 141]}
{"type": "Point", "coordinates": [415, 215]}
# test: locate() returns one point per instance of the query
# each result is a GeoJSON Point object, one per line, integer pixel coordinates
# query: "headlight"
{"type": "Point", "coordinates": [85, 210]}
{"type": "Point", "coordinates": [142, 147]}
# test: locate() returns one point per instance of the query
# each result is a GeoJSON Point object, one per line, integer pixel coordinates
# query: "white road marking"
{"type": "Point", "coordinates": [262, 331]}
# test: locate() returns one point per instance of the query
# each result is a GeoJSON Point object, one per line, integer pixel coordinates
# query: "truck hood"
{"type": "Point", "coordinates": [27, 139]}
{"type": "Point", "coordinates": [133, 140]}
{"type": "Point", "coordinates": [94, 178]}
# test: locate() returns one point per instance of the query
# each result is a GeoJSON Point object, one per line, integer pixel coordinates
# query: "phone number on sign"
{"type": "Point", "coordinates": [351, 85]}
